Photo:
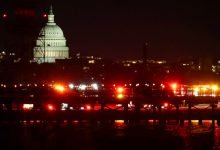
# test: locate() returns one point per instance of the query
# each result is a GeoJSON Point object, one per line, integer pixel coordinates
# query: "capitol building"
{"type": "Point", "coordinates": [51, 43]}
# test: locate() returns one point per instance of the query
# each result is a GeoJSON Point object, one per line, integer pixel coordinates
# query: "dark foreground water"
{"type": "Point", "coordinates": [108, 135]}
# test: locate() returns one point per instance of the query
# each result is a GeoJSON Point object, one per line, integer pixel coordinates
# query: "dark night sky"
{"type": "Point", "coordinates": [118, 29]}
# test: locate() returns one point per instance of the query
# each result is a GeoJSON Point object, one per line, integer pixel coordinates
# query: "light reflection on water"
{"type": "Point", "coordinates": [116, 134]}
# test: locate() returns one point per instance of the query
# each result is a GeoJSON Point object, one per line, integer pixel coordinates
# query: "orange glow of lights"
{"type": "Point", "coordinates": [196, 89]}
{"type": "Point", "coordinates": [195, 121]}
{"type": "Point", "coordinates": [204, 88]}
{"type": "Point", "coordinates": [214, 87]}
{"type": "Point", "coordinates": [120, 96]}
{"type": "Point", "coordinates": [120, 89]}
{"type": "Point", "coordinates": [119, 121]}
{"type": "Point", "coordinates": [173, 86]}
{"type": "Point", "coordinates": [59, 88]}
{"type": "Point", "coordinates": [119, 92]}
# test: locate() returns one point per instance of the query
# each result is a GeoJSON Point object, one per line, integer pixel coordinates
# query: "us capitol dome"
{"type": "Point", "coordinates": [51, 43]}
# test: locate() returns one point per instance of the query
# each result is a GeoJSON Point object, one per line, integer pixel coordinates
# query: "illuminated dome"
{"type": "Point", "coordinates": [51, 43]}
{"type": "Point", "coordinates": [52, 31]}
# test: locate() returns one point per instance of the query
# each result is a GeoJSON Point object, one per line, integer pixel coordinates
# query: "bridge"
{"type": "Point", "coordinates": [116, 103]}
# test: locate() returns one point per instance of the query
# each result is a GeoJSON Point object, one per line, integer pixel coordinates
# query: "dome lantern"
{"type": "Point", "coordinates": [51, 17]}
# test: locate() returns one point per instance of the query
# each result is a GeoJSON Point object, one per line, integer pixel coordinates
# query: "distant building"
{"type": "Point", "coordinates": [51, 43]}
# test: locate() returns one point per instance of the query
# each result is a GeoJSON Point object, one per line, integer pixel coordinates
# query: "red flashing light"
{"type": "Point", "coordinates": [45, 15]}
{"type": "Point", "coordinates": [166, 104]}
{"type": "Point", "coordinates": [50, 107]}
{"type": "Point", "coordinates": [88, 107]}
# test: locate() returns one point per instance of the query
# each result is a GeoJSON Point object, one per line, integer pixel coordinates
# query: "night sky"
{"type": "Point", "coordinates": [119, 29]}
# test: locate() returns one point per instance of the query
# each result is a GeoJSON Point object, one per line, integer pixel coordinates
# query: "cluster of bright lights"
{"type": "Point", "coordinates": [195, 90]}
{"type": "Point", "coordinates": [148, 105]}
{"type": "Point", "coordinates": [82, 87]}
{"type": "Point", "coordinates": [137, 84]}
{"type": "Point", "coordinates": [94, 86]}
{"type": "Point", "coordinates": [3, 85]}
{"type": "Point", "coordinates": [130, 104]}
{"type": "Point", "coordinates": [162, 86]}
{"type": "Point", "coordinates": [64, 106]}
{"type": "Point", "coordinates": [71, 85]}
{"type": "Point", "coordinates": [28, 85]}
{"type": "Point", "coordinates": [203, 90]}
{"type": "Point", "coordinates": [214, 87]}
{"type": "Point", "coordinates": [28, 106]}
{"type": "Point", "coordinates": [165, 105]}
{"type": "Point", "coordinates": [87, 107]}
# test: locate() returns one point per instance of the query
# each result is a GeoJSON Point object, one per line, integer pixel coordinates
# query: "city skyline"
{"type": "Point", "coordinates": [120, 29]}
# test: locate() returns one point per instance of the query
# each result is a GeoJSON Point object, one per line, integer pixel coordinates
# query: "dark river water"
{"type": "Point", "coordinates": [108, 135]}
